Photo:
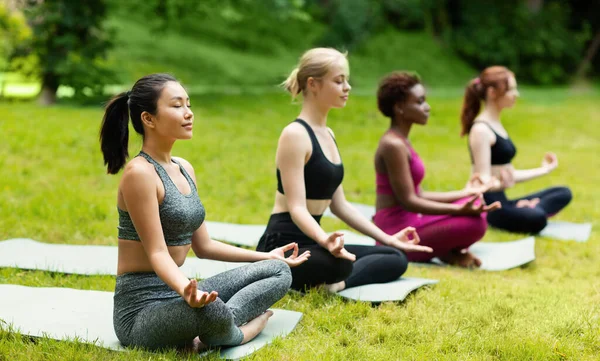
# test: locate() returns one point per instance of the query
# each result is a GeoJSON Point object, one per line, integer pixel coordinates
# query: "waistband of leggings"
{"type": "Point", "coordinates": [286, 218]}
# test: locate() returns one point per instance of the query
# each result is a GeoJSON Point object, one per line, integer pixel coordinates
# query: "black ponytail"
{"type": "Point", "coordinates": [114, 133]}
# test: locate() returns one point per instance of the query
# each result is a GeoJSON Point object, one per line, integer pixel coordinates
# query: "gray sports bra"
{"type": "Point", "coordinates": [180, 214]}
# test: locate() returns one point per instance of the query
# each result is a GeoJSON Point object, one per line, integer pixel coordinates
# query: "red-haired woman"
{"type": "Point", "coordinates": [492, 152]}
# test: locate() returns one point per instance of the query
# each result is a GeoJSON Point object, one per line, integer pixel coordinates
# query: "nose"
{"type": "Point", "coordinates": [347, 86]}
{"type": "Point", "coordinates": [189, 113]}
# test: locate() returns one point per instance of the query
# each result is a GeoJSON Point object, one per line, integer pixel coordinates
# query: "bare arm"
{"type": "Point", "coordinates": [446, 197]}
{"type": "Point", "coordinates": [345, 211]}
{"type": "Point", "coordinates": [481, 140]}
{"type": "Point", "coordinates": [294, 145]}
{"type": "Point", "coordinates": [139, 193]}
{"type": "Point", "coordinates": [395, 156]}
{"type": "Point", "coordinates": [352, 217]}
{"type": "Point", "coordinates": [549, 163]}
{"type": "Point", "coordinates": [205, 247]}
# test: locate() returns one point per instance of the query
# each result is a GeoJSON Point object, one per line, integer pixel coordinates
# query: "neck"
{"type": "Point", "coordinates": [159, 149]}
{"type": "Point", "coordinates": [314, 114]}
{"type": "Point", "coordinates": [491, 112]}
{"type": "Point", "coordinates": [402, 128]}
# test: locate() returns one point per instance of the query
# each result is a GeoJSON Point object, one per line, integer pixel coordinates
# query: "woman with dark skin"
{"type": "Point", "coordinates": [448, 222]}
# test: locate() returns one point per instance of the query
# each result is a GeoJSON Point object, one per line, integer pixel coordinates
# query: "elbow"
{"type": "Point", "coordinates": [337, 208]}
{"type": "Point", "coordinates": [197, 250]}
{"type": "Point", "coordinates": [297, 211]}
{"type": "Point", "coordinates": [157, 259]}
{"type": "Point", "coordinates": [410, 204]}
{"type": "Point", "coordinates": [202, 250]}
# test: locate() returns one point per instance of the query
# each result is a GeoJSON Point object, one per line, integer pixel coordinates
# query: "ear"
{"type": "Point", "coordinates": [312, 84]}
{"type": "Point", "coordinates": [399, 108]}
{"type": "Point", "coordinates": [491, 93]}
{"type": "Point", "coordinates": [147, 119]}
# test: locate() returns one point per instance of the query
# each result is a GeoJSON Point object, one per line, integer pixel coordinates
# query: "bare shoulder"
{"type": "Point", "coordinates": [138, 172]}
{"type": "Point", "coordinates": [294, 135]}
{"type": "Point", "coordinates": [389, 142]}
{"type": "Point", "coordinates": [481, 134]}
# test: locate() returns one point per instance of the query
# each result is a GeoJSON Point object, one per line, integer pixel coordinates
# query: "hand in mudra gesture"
{"type": "Point", "coordinates": [196, 298]}
{"type": "Point", "coordinates": [293, 260]}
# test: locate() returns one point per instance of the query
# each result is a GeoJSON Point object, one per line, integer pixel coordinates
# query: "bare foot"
{"type": "Point", "coordinates": [463, 259]}
{"type": "Point", "coordinates": [335, 287]}
{"type": "Point", "coordinates": [253, 328]}
{"type": "Point", "coordinates": [196, 346]}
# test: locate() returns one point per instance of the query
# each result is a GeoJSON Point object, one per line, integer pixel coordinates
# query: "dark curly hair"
{"type": "Point", "coordinates": [394, 88]}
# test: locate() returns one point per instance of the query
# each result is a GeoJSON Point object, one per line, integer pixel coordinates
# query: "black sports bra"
{"type": "Point", "coordinates": [321, 176]}
{"type": "Point", "coordinates": [503, 151]}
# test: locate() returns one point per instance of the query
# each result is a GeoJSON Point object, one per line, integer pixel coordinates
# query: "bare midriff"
{"type": "Point", "coordinates": [133, 258]}
{"type": "Point", "coordinates": [315, 207]}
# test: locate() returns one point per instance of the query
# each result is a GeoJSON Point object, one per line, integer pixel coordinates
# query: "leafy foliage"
{"type": "Point", "coordinates": [71, 42]}
{"type": "Point", "coordinates": [13, 32]}
{"type": "Point", "coordinates": [540, 47]}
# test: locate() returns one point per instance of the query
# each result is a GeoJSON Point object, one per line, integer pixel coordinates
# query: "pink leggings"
{"type": "Point", "coordinates": [443, 233]}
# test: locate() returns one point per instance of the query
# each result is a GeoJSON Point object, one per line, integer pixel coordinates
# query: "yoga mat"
{"type": "Point", "coordinates": [68, 314]}
{"type": "Point", "coordinates": [501, 256]}
{"type": "Point", "coordinates": [567, 231]}
{"type": "Point", "coordinates": [87, 260]}
{"type": "Point", "coordinates": [382, 292]}
{"type": "Point", "coordinates": [240, 234]}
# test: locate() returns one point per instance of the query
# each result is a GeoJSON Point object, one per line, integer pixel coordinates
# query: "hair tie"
{"type": "Point", "coordinates": [477, 80]}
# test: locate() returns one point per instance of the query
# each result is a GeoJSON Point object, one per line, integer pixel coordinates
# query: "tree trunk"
{"type": "Point", "coordinates": [535, 5]}
{"type": "Point", "coordinates": [50, 85]}
{"type": "Point", "coordinates": [589, 56]}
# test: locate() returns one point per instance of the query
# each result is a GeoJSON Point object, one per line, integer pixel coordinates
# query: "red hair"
{"type": "Point", "coordinates": [495, 77]}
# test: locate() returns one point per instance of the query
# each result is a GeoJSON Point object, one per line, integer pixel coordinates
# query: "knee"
{"type": "Point", "coordinates": [340, 269]}
{"type": "Point", "coordinates": [283, 273]}
{"type": "Point", "coordinates": [565, 195]}
{"type": "Point", "coordinates": [218, 327]}
{"type": "Point", "coordinates": [537, 222]}
{"type": "Point", "coordinates": [400, 264]}
{"type": "Point", "coordinates": [479, 228]}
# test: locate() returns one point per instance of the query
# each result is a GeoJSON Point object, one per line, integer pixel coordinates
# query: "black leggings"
{"type": "Point", "coordinates": [527, 220]}
{"type": "Point", "coordinates": [374, 264]}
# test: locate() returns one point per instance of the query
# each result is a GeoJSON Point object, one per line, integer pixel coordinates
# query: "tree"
{"type": "Point", "coordinates": [13, 32]}
{"type": "Point", "coordinates": [70, 42]}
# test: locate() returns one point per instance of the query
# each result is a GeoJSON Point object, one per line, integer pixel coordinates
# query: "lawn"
{"type": "Point", "coordinates": [54, 189]}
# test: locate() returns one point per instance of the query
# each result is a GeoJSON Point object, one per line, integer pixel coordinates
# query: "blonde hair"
{"type": "Point", "coordinates": [314, 63]}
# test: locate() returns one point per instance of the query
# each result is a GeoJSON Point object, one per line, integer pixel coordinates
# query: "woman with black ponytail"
{"type": "Point", "coordinates": [160, 218]}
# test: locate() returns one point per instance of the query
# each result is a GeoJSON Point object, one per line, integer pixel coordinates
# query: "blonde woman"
{"type": "Point", "coordinates": [309, 179]}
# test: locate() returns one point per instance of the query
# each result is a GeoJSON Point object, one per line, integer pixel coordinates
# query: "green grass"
{"type": "Point", "coordinates": [54, 189]}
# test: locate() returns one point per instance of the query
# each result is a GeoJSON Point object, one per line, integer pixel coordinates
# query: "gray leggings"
{"type": "Point", "coordinates": [149, 314]}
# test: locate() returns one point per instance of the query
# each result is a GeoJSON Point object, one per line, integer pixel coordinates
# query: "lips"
{"type": "Point", "coordinates": [187, 125]}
